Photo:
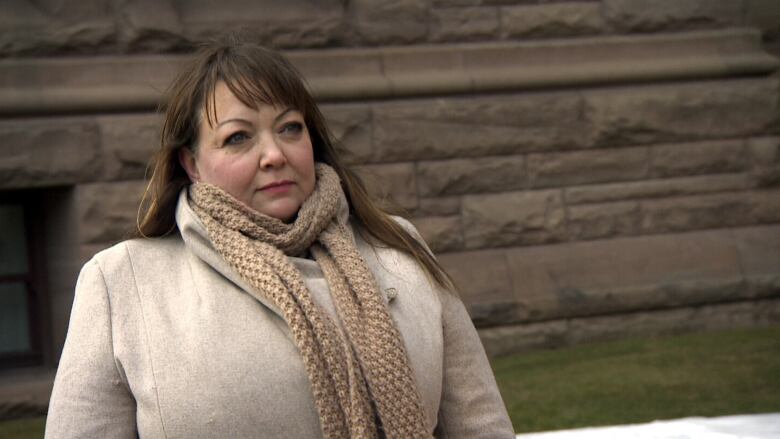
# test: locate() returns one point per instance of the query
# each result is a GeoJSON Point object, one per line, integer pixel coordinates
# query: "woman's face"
{"type": "Point", "coordinates": [262, 157]}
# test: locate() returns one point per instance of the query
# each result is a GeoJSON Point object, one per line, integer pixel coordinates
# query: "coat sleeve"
{"type": "Point", "coordinates": [471, 405]}
{"type": "Point", "coordinates": [90, 398]}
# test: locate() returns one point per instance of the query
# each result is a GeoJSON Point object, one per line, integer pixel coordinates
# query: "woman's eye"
{"type": "Point", "coordinates": [292, 128]}
{"type": "Point", "coordinates": [237, 138]}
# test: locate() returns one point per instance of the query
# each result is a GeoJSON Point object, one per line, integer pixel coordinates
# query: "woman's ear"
{"type": "Point", "coordinates": [187, 161]}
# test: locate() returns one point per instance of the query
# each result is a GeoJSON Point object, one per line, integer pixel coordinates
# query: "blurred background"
{"type": "Point", "coordinates": [588, 170]}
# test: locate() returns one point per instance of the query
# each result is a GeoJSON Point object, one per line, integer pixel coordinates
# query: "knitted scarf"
{"type": "Point", "coordinates": [358, 369]}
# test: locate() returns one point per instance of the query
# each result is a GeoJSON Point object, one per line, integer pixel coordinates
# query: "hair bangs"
{"type": "Point", "coordinates": [255, 79]}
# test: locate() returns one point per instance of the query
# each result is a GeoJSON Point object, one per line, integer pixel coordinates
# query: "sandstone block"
{"type": "Point", "coordinates": [772, 46]}
{"type": "Point", "coordinates": [151, 26]}
{"type": "Point", "coordinates": [438, 206]}
{"type": "Point", "coordinates": [689, 213]}
{"type": "Point", "coordinates": [73, 10]}
{"type": "Point", "coordinates": [462, 24]}
{"type": "Point", "coordinates": [739, 315]}
{"type": "Point", "coordinates": [294, 23]}
{"type": "Point", "coordinates": [713, 317]}
{"type": "Point", "coordinates": [765, 153]}
{"type": "Point", "coordinates": [351, 125]}
{"type": "Point", "coordinates": [764, 206]}
{"type": "Point", "coordinates": [624, 274]}
{"type": "Point", "coordinates": [442, 233]}
{"type": "Point", "coordinates": [107, 212]}
{"type": "Point", "coordinates": [87, 251]}
{"type": "Point", "coordinates": [759, 250]}
{"type": "Point", "coordinates": [723, 316]}
{"type": "Point", "coordinates": [593, 166]}
{"type": "Point", "coordinates": [454, 3]}
{"type": "Point", "coordinates": [706, 291]}
{"type": "Point", "coordinates": [764, 150]}
{"type": "Point", "coordinates": [21, 13]}
{"type": "Point", "coordinates": [640, 324]}
{"type": "Point", "coordinates": [461, 176]}
{"type": "Point", "coordinates": [638, 15]}
{"type": "Point", "coordinates": [86, 85]}
{"type": "Point", "coordinates": [707, 211]}
{"type": "Point", "coordinates": [382, 23]}
{"type": "Point", "coordinates": [483, 284]}
{"type": "Point", "coordinates": [681, 112]}
{"type": "Point", "coordinates": [766, 312]}
{"type": "Point", "coordinates": [505, 340]}
{"type": "Point", "coordinates": [598, 193]}
{"type": "Point", "coordinates": [393, 184]}
{"type": "Point", "coordinates": [317, 65]}
{"type": "Point", "coordinates": [698, 158]}
{"type": "Point", "coordinates": [763, 286]}
{"type": "Point", "coordinates": [515, 2]}
{"type": "Point", "coordinates": [513, 218]}
{"type": "Point", "coordinates": [420, 69]}
{"type": "Point", "coordinates": [46, 152]}
{"type": "Point", "coordinates": [33, 28]}
{"type": "Point", "coordinates": [550, 20]}
{"type": "Point", "coordinates": [128, 143]}
{"type": "Point", "coordinates": [593, 221]}
{"type": "Point", "coordinates": [764, 14]}
{"type": "Point", "coordinates": [475, 127]}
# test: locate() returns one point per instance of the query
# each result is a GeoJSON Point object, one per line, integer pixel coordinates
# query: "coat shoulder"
{"type": "Point", "coordinates": [123, 258]}
{"type": "Point", "coordinates": [139, 246]}
{"type": "Point", "coordinates": [407, 225]}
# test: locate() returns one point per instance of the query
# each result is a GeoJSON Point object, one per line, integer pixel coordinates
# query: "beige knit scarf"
{"type": "Point", "coordinates": [358, 369]}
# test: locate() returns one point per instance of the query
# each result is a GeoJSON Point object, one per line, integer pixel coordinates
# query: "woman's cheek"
{"type": "Point", "coordinates": [241, 175]}
{"type": "Point", "coordinates": [227, 174]}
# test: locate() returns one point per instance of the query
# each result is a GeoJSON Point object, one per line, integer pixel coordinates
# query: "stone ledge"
{"type": "Point", "coordinates": [658, 188]}
{"type": "Point", "coordinates": [133, 83]}
{"type": "Point", "coordinates": [25, 392]}
{"type": "Point", "coordinates": [511, 339]}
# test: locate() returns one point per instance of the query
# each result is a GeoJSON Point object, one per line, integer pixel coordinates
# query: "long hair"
{"type": "Point", "coordinates": [256, 75]}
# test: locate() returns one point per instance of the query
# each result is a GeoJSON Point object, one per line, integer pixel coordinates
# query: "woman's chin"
{"type": "Point", "coordinates": [285, 212]}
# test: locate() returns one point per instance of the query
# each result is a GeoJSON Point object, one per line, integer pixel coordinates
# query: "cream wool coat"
{"type": "Point", "coordinates": [164, 342]}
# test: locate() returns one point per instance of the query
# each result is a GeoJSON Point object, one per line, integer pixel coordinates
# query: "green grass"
{"type": "Point", "coordinates": [623, 382]}
{"type": "Point", "coordinates": [630, 381]}
{"type": "Point", "coordinates": [30, 428]}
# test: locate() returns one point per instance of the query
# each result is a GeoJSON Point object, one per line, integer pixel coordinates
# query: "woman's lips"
{"type": "Point", "coordinates": [277, 186]}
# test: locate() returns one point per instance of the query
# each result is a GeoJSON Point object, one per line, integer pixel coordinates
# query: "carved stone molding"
{"type": "Point", "coordinates": [134, 83]}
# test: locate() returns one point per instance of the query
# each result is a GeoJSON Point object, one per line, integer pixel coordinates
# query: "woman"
{"type": "Point", "coordinates": [268, 296]}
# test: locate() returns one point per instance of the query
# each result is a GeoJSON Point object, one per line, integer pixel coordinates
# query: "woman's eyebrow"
{"type": "Point", "coordinates": [283, 113]}
{"type": "Point", "coordinates": [235, 119]}
{"type": "Point", "coordinates": [240, 120]}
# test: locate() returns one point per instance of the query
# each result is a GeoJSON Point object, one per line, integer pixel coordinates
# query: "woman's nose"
{"type": "Point", "coordinates": [271, 153]}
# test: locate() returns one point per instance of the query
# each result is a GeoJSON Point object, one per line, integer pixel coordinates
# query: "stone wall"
{"type": "Point", "coordinates": [90, 27]}
{"type": "Point", "coordinates": [585, 169]}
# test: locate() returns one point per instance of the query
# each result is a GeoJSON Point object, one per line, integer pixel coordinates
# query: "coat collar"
{"type": "Point", "coordinates": [196, 239]}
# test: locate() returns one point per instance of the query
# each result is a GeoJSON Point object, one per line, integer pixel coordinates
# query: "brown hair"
{"type": "Point", "coordinates": [255, 75]}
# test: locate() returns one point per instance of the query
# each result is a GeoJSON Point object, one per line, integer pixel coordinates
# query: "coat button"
{"type": "Point", "coordinates": [391, 293]}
